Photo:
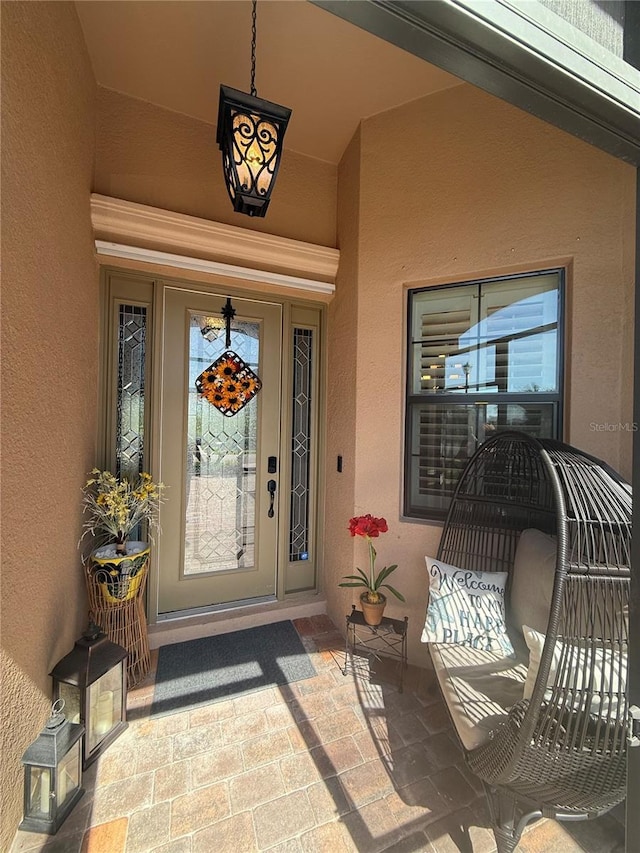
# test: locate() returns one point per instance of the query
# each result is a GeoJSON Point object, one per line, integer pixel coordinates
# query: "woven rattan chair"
{"type": "Point", "coordinates": [553, 755]}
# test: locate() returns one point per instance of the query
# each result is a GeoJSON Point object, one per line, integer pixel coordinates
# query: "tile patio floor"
{"type": "Point", "coordinates": [327, 765]}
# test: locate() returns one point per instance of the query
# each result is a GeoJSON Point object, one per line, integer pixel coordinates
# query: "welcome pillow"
{"type": "Point", "coordinates": [466, 607]}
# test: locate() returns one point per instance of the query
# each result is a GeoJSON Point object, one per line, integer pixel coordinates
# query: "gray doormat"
{"type": "Point", "coordinates": [198, 672]}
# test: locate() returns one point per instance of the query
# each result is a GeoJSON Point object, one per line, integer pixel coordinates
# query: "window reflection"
{"type": "Point", "coordinates": [499, 338]}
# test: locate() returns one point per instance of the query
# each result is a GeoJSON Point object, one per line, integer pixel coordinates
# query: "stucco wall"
{"type": "Point", "coordinates": [165, 159]}
{"type": "Point", "coordinates": [342, 346]}
{"type": "Point", "coordinates": [461, 185]}
{"type": "Point", "coordinates": [49, 365]}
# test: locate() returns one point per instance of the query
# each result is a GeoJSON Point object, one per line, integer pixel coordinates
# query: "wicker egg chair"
{"type": "Point", "coordinates": [552, 755]}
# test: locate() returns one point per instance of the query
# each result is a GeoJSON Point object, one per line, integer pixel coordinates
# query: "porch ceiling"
{"type": "Point", "coordinates": [333, 74]}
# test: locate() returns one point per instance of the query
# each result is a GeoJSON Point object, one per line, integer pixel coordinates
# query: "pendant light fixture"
{"type": "Point", "coordinates": [250, 135]}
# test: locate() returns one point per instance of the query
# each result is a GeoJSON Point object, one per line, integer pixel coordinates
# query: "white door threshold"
{"type": "Point", "coordinates": [235, 618]}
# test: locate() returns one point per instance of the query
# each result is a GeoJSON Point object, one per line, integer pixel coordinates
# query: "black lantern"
{"type": "Point", "coordinates": [52, 773]}
{"type": "Point", "coordinates": [91, 680]}
{"type": "Point", "coordinates": [250, 135]}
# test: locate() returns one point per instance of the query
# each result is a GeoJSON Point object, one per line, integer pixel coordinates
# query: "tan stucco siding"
{"type": "Point", "coordinates": [457, 186]}
{"type": "Point", "coordinates": [49, 369]}
{"type": "Point", "coordinates": [341, 436]}
{"type": "Point", "coordinates": [165, 159]}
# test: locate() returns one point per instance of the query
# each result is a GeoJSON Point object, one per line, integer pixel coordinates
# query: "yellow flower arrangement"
{"type": "Point", "coordinates": [115, 507]}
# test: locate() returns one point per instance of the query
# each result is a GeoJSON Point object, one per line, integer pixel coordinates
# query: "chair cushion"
{"type": "Point", "coordinates": [534, 569]}
{"type": "Point", "coordinates": [596, 675]}
{"type": "Point", "coordinates": [478, 687]}
{"type": "Point", "coordinates": [466, 608]}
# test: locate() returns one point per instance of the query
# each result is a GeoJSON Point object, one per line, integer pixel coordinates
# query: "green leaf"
{"type": "Point", "coordinates": [352, 577]}
{"type": "Point", "coordinates": [384, 573]}
{"type": "Point", "coordinates": [363, 575]}
{"type": "Point", "coordinates": [357, 583]}
{"type": "Point", "coordinates": [394, 591]}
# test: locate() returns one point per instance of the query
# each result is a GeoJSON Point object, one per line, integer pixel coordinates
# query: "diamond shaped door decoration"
{"type": "Point", "coordinates": [228, 383]}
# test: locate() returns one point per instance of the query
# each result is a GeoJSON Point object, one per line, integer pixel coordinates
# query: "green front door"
{"type": "Point", "coordinates": [218, 541]}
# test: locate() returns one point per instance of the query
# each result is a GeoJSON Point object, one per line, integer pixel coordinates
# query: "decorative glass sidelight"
{"type": "Point", "coordinates": [132, 329]}
{"type": "Point", "coordinates": [221, 458]}
{"type": "Point", "coordinates": [301, 444]}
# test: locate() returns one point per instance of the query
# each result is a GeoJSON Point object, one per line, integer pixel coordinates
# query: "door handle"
{"type": "Point", "coordinates": [271, 488]}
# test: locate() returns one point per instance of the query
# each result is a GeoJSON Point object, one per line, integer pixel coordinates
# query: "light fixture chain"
{"type": "Point", "coordinates": [254, 91]}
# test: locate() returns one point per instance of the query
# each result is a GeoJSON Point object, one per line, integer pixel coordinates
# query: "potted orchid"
{"type": "Point", "coordinates": [115, 508]}
{"type": "Point", "coordinates": [373, 601]}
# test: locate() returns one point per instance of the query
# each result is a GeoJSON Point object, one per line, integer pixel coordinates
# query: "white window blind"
{"type": "Point", "coordinates": [482, 356]}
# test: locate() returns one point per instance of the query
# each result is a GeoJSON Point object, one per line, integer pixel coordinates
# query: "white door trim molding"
{"type": "Point", "coordinates": [161, 236]}
{"type": "Point", "coordinates": [152, 256]}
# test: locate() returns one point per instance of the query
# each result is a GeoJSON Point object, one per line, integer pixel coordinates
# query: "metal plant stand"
{"type": "Point", "coordinates": [388, 639]}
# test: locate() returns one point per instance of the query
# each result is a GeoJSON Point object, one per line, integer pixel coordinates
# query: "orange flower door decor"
{"type": "Point", "coordinates": [228, 383]}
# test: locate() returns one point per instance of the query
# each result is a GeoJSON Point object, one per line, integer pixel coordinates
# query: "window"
{"type": "Point", "coordinates": [132, 335]}
{"type": "Point", "coordinates": [126, 373]}
{"type": "Point", "coordinates": [301, 443]}
{"type": "Point", "coordinates": [482, 356]}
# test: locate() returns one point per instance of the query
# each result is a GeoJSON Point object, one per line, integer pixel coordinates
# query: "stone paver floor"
{"type": "Point", "coordinates": [327, 765]}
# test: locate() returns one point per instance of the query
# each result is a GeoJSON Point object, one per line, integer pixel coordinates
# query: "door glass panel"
{"type": "Point", "coordinates": [132, 327]}
{"type": "Point", "coordinates": [220, 528]}
{"type": "Point", "coordinates": [220, 465]}
{"type": "Point", "coordinates": [301, 445]}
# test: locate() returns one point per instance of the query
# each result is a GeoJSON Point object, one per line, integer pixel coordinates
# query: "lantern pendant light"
{"type": "Point", "coordinates": [250, 135]}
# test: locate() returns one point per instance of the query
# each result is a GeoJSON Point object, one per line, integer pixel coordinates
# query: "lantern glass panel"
{"type": "Point", "coordinates": [255, 141]}
{"type": "Point", "coordinates": [39, 783]}
{"type": "Point", "coordinates": [68, 774]}
{"type": "Point", "coordinates": [71, 695]}
{"type": "Point", "coordinates": [105, 706]}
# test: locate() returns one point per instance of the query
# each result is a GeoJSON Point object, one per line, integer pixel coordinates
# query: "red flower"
{"type": "Point", "coordinates": [367, 525]}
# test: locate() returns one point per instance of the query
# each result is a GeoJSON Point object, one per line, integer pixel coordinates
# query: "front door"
{"type": "Point", "coordinates": [219, 524]}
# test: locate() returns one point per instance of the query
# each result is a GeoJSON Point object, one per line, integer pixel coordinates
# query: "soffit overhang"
{"type": "Point", "coordinates": [520, 52]}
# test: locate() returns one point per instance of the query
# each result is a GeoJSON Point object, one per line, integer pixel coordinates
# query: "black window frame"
{"type": "Point", "coordinates": [452, 398]}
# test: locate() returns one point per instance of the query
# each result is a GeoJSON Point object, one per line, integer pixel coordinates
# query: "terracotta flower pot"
{"type": "Point", "coordinates": [373, 613]}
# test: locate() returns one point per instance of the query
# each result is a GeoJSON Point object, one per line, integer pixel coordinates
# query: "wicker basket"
{"type": "Point", "coordinates": [115, 587]}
